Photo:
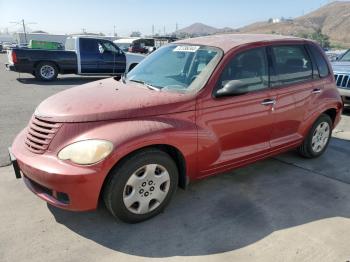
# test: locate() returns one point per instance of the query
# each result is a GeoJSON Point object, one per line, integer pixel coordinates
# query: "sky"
{"type": "Point", "coordinates": [72, 16]}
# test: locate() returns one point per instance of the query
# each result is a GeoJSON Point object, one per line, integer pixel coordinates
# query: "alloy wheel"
{"type": "Point", "coordinates": [146, 189]}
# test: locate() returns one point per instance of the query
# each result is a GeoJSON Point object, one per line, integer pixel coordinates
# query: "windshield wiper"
{"type": "Point", "coordinates": [145, 84]}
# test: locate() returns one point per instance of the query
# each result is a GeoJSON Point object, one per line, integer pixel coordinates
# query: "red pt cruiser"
{"type": "Point", "coordinates": [192, 109]}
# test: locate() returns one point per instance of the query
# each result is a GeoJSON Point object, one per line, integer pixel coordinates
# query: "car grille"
{"type": "Point", "coordinates": [342, 80]}
{"type": "Point", "coordinates": [39, 134]}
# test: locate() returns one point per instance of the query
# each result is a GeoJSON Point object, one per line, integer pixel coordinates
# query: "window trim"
{"type": "Point", "coordinates": [318, 74]}
{"type": "Point", "coordinates": [273, 60]}
{"type": "Point", "coordinates": [217, 85]}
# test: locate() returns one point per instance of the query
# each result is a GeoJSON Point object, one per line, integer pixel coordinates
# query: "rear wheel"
{"type": "Point", "coordinates": [141, 186]}
{"type": "Point", "coordinates": [315, 144]}
{"type": "Point", "coordinates": [46, 71]}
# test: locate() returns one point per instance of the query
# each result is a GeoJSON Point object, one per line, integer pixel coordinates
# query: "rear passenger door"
{"type": "Point", "coordinates": [88, 55]}
{"type": "Point", "coordinates": [292, 84]}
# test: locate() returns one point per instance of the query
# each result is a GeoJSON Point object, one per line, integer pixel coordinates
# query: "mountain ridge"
{"type": "Point", "coordinates": [332, 20]}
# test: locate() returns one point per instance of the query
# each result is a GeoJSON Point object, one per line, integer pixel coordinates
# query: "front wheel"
{"type": "Point", "coordinates": [141, 186]}
{"type": "Point", "coordinates": [316, 142]}
{"type": "Point", "coordinates": [46, 71]}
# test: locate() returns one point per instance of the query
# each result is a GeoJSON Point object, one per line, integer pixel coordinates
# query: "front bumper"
{"type": "Point", "coordinates": [345, 94]}
{"type": "Point", "coordinates": [59, 183]}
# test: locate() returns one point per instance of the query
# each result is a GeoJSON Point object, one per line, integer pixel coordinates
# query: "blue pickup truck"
{"type": "Point", "coordinates": [82, 55]}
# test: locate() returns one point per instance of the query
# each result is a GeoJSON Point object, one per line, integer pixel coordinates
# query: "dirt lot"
{"type": "Point", "coordinates": [281, 209]}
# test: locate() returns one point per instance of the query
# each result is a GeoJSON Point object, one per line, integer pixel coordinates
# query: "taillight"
{"type": "Point", "coordinates": [14, 57]}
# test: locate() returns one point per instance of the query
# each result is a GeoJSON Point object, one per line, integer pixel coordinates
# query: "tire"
{"type": "Point", "coordinates": [46, 71]}
{"type": "Point", "coordinates": [128, 191]}
{"type": "Point", "coordinates": [315, 144]}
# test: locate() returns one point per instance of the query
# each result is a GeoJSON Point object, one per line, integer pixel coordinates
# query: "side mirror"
{"type": "Point", "coordinates": [232, 88]}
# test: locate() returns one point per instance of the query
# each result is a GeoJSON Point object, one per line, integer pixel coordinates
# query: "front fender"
{"type": "Point", "coordinates": [127, 136]}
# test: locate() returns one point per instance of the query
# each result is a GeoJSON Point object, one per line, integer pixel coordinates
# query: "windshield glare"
{"type": "Point", "coordinates": [177, 67]}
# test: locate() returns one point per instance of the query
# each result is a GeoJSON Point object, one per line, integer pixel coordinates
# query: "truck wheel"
{"type": "Point", "coordinates": [141, 186]}
{"type": "Point", "coordinates": [46, 71]}
{"type": "Point", "coordinates": [316, 142]}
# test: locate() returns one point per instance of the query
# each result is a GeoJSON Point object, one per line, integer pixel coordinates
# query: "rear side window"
{"type": "Point", "coordinates": [249, 67]}
{"type": "Point", "coordinates": [70, 44]}
{"type": "Point", "coordinates": [292, 64]}
{"type": "Point", "coordinates": [89, 45]}
{"type": "Point", "coordinates": [320, 61]}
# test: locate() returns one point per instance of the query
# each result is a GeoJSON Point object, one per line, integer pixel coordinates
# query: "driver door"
{"type": "Point", "coordinates": [236, 129]}
{"type": "Point", "coordinates": [112, 59]}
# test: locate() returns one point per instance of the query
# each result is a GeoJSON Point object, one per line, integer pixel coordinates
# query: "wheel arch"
{"type": "Point", "coordinates": [46, 61]}
{"type": "Point", "coordinates": [173, 152]}
{"type": "Point", "coordinates": [332, 113]}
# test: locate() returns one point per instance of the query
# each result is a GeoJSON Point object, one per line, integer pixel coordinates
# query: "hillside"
{"type": "Point", "coordinates": [332, 19]}
{"type": "Point", "coordinates": [198, 29]}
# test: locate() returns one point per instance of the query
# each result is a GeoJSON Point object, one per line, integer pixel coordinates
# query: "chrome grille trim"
{"type": "Point", "coordinates": [342, 80]}
{"type": "Point", "coordinates": [39, 134]}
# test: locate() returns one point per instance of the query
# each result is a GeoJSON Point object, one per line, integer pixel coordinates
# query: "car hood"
{"type": "Point", "coordinates": [341, 67]}
{"type": "Point", "coordinates": [110, 99]}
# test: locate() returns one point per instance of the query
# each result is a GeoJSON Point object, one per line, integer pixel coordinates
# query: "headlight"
{"type": "Point", "coordinates": [86, 152]}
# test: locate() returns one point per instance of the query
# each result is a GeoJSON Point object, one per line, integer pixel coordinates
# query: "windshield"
{"type": "Point", "coordinates": [345, 57]}
{"type": "Point", "coordinates": [178, 68]}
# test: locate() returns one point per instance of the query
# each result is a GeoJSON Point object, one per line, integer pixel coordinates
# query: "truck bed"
{"type": "Point", "coordinates": [27, 59]}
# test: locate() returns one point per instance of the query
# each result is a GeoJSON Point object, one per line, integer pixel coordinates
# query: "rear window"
{"type": "Point", "coordinates": [320, 61]}
{"type": "Point", "coordinates": [292, 64]}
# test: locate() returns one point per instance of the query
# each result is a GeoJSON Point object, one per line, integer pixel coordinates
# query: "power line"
{"type": "Point", "coordinates": [23, 24]}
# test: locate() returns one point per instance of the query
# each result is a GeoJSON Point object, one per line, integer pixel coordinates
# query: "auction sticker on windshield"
{"type": "Point", "coordinates": [186, 48]}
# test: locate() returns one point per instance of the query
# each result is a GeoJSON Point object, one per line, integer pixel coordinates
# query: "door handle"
{"type": "Point", "coordinates": [268, 102]}
{"type": "Point", "coordinates": [316, 91]}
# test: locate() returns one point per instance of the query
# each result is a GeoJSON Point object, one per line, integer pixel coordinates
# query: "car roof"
{"type": "Point", "coordinates": [229, 41]}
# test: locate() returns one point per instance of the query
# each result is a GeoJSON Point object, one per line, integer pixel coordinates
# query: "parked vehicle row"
{"type": "Point", "coordinates": [190, 110]}
{"type": "Point", "coordinates": [341, 68]}
{"type": "Point", "coordinates": [82, 56]}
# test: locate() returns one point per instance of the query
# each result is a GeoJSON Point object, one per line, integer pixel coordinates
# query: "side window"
{"type": "Point", "coordinates": [292, 64]}
{"type": "Point", "coordinates": [88, 45]}
{"type": "Point", "coordinates": [108, 46]}
{"type": "Point", "coordinates": [250, 68]}
{"type": "Point", "coordinates": [320, 61]}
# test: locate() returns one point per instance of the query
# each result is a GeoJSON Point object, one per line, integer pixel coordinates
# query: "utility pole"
{"type": "Point", "coordinates": [164, 30]}
{"type": "Point", "coordinates": [23, 24]}
{"type": "Point", "coordinates": [153, 30]}
{"type": "Point", "coordinates": [177, 27]}
{"type": "Point", "coordinates": [114, 31]}
{"type": "Point", "coordinates": [24, 30]}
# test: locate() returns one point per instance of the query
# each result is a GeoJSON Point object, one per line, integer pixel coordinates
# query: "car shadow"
{"type": "Point", "coordinates": [59, 81]}
{"type": "Point", "coordinates": [221, 213]}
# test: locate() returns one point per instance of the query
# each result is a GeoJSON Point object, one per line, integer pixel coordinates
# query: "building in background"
{"type": "Point", "coordinates": [7, 38]}
{"type": "Point", "coordinates": [23, 39]}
